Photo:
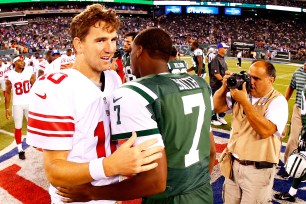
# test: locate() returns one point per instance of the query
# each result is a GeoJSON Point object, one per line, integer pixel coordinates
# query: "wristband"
{"type": "Point", "coordinates": [96, 169]}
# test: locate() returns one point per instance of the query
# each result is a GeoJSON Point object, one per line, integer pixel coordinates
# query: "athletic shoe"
{"type": "Point", "coordinates": [222, 120]}
{"type": "Point", "coordinates": [21, 155]}
{"type": "Point", "coordinates": [216, 123]}
{"type": "Point", "coordinates": [285, 196]}
{"type": "Point", "coordinates": [285, 175]}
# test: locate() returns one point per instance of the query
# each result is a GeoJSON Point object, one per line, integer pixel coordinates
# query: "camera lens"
{"type": "Point", "coordinates": [231, 82]}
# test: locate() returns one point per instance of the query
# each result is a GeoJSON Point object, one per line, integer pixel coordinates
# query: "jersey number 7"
{"type": "Point", "coordinates": [189, 102]}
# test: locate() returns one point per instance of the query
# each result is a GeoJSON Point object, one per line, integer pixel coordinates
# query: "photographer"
{"type": "Point", "coordinates": [259, 118]}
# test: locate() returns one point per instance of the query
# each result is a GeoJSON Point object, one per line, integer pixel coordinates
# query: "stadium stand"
{"type": "Point", "coordinates": [26, 32]}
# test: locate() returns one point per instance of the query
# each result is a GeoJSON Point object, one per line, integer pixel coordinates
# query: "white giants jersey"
{"type": "Point", "coordinates": [20, 85]}
{"type": "Point", "coordinates": [55, 66]}
{"type": "Point", "coordinates": [69, 112]}
{"type": "Point", "coordinates": [2, 71]}
{"type": "Point", "coordinates": [43, 65]}
{"type": "Point", "coordinates": [65, 59]}
{"type": "Point", "coordinates": [112, 82]}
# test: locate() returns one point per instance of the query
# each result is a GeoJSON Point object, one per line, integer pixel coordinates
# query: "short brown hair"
{"type": "Point", "coordinates": [92, 16]}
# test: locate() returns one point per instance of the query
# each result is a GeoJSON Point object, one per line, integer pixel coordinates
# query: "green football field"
{"type": "Point", "coordinates": [283, 76]}
{"type": "Point", "coordinates": [284, 73]}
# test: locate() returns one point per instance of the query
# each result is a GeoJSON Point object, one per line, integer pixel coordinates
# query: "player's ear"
{"type": "Point", "coordinates": [139, 51]}
{"type": "Point", "coordinates": [77, 44]}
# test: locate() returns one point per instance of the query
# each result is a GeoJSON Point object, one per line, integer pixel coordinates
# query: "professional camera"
{"type": "Point", "coordinates": [236, 80]}
{"type": "Point", "coordinates": [118, 53]}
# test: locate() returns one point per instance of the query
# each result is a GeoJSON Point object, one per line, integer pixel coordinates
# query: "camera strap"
{"type": "Point", "coordinates": [263, 100]}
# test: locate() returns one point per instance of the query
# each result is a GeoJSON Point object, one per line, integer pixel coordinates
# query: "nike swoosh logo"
{"type": "Point", "coordinates": [116, 99]}
{"type": "Point", "coordinates": [42, 96]}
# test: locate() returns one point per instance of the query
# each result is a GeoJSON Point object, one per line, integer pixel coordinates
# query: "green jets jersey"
{"type": "Point", "coordinates": [198, 52]}
{"type": "Point", "coordinates": [127, 67]}
{"type": "Point", "coordinates": [177, 66]}
{"type": "Point", "coordinates": [177, 108]}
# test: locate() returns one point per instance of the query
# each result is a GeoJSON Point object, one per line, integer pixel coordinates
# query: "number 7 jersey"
{"type": "Point", "coordinates": [176, 108]}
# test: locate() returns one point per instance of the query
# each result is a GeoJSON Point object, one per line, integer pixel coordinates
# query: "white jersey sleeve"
{"type": "Point", "coordinates": [55, 66]}
{"type": "Point", "coordinates": [279, 118]}
{"type": "Point", "coordinates": [129, 113]}
{"type": "Point", "coordinates": [112, 81]}
{"type": "Point", "coordinates": [65, 59]}
{"type": "Point", "coordinates": [198, 52]}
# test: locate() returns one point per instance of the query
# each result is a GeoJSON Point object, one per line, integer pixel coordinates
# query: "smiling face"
{"type": "Point", "coordinates": [98, 47]}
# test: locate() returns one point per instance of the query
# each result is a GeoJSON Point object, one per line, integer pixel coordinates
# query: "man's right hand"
{"type": "Point", "coordinates": [127, 159]}
{"type": "Point", "coordinates": [8, 114]}
{"type": "Point", "coordinates": [227, 74]}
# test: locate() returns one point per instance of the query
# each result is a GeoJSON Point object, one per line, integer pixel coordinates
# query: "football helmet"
{"type": "Point", "coordinates": [296, 164]}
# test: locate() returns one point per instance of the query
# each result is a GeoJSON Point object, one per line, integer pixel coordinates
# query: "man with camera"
{"type": "Point", "coordinates": [259, 117]}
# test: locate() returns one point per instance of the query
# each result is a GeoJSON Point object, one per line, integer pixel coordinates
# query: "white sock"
{"type": "Point", "coordinates": [19, 146]}
{"type": "Point", "coordinates": [292, 191]}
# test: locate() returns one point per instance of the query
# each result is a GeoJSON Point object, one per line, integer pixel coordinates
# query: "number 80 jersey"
{"type": "Point", "coordinates": [20, 85]}
{"type": "Point", "coordinates": [177, 108]}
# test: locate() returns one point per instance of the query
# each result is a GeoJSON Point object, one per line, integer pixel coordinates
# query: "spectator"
{"type": "Point", "coordinates": [218, 70]}
{"type": "Point", "coordinates": [298, 81]}
{"type": "Point", "coordinates": [290, 195]}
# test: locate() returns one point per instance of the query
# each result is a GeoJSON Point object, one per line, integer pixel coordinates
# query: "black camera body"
{"type": "Point", "coordinates": [118, 53]}
{"type": "Point", "coordinates": [236, 80]}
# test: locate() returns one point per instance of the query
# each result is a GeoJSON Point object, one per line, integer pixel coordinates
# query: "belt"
{"type": "Point", "coordinates": [258, 165]}
{"type": "Point", "coordinates": [244, 162]}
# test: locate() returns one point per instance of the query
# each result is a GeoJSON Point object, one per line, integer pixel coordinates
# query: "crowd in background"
{"type": "Point", "coordinates": [76, 5]}
{"type": "Point", "coordinates": [268, 2]}
{"type": "Point", "coordinates": [281, 33]}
